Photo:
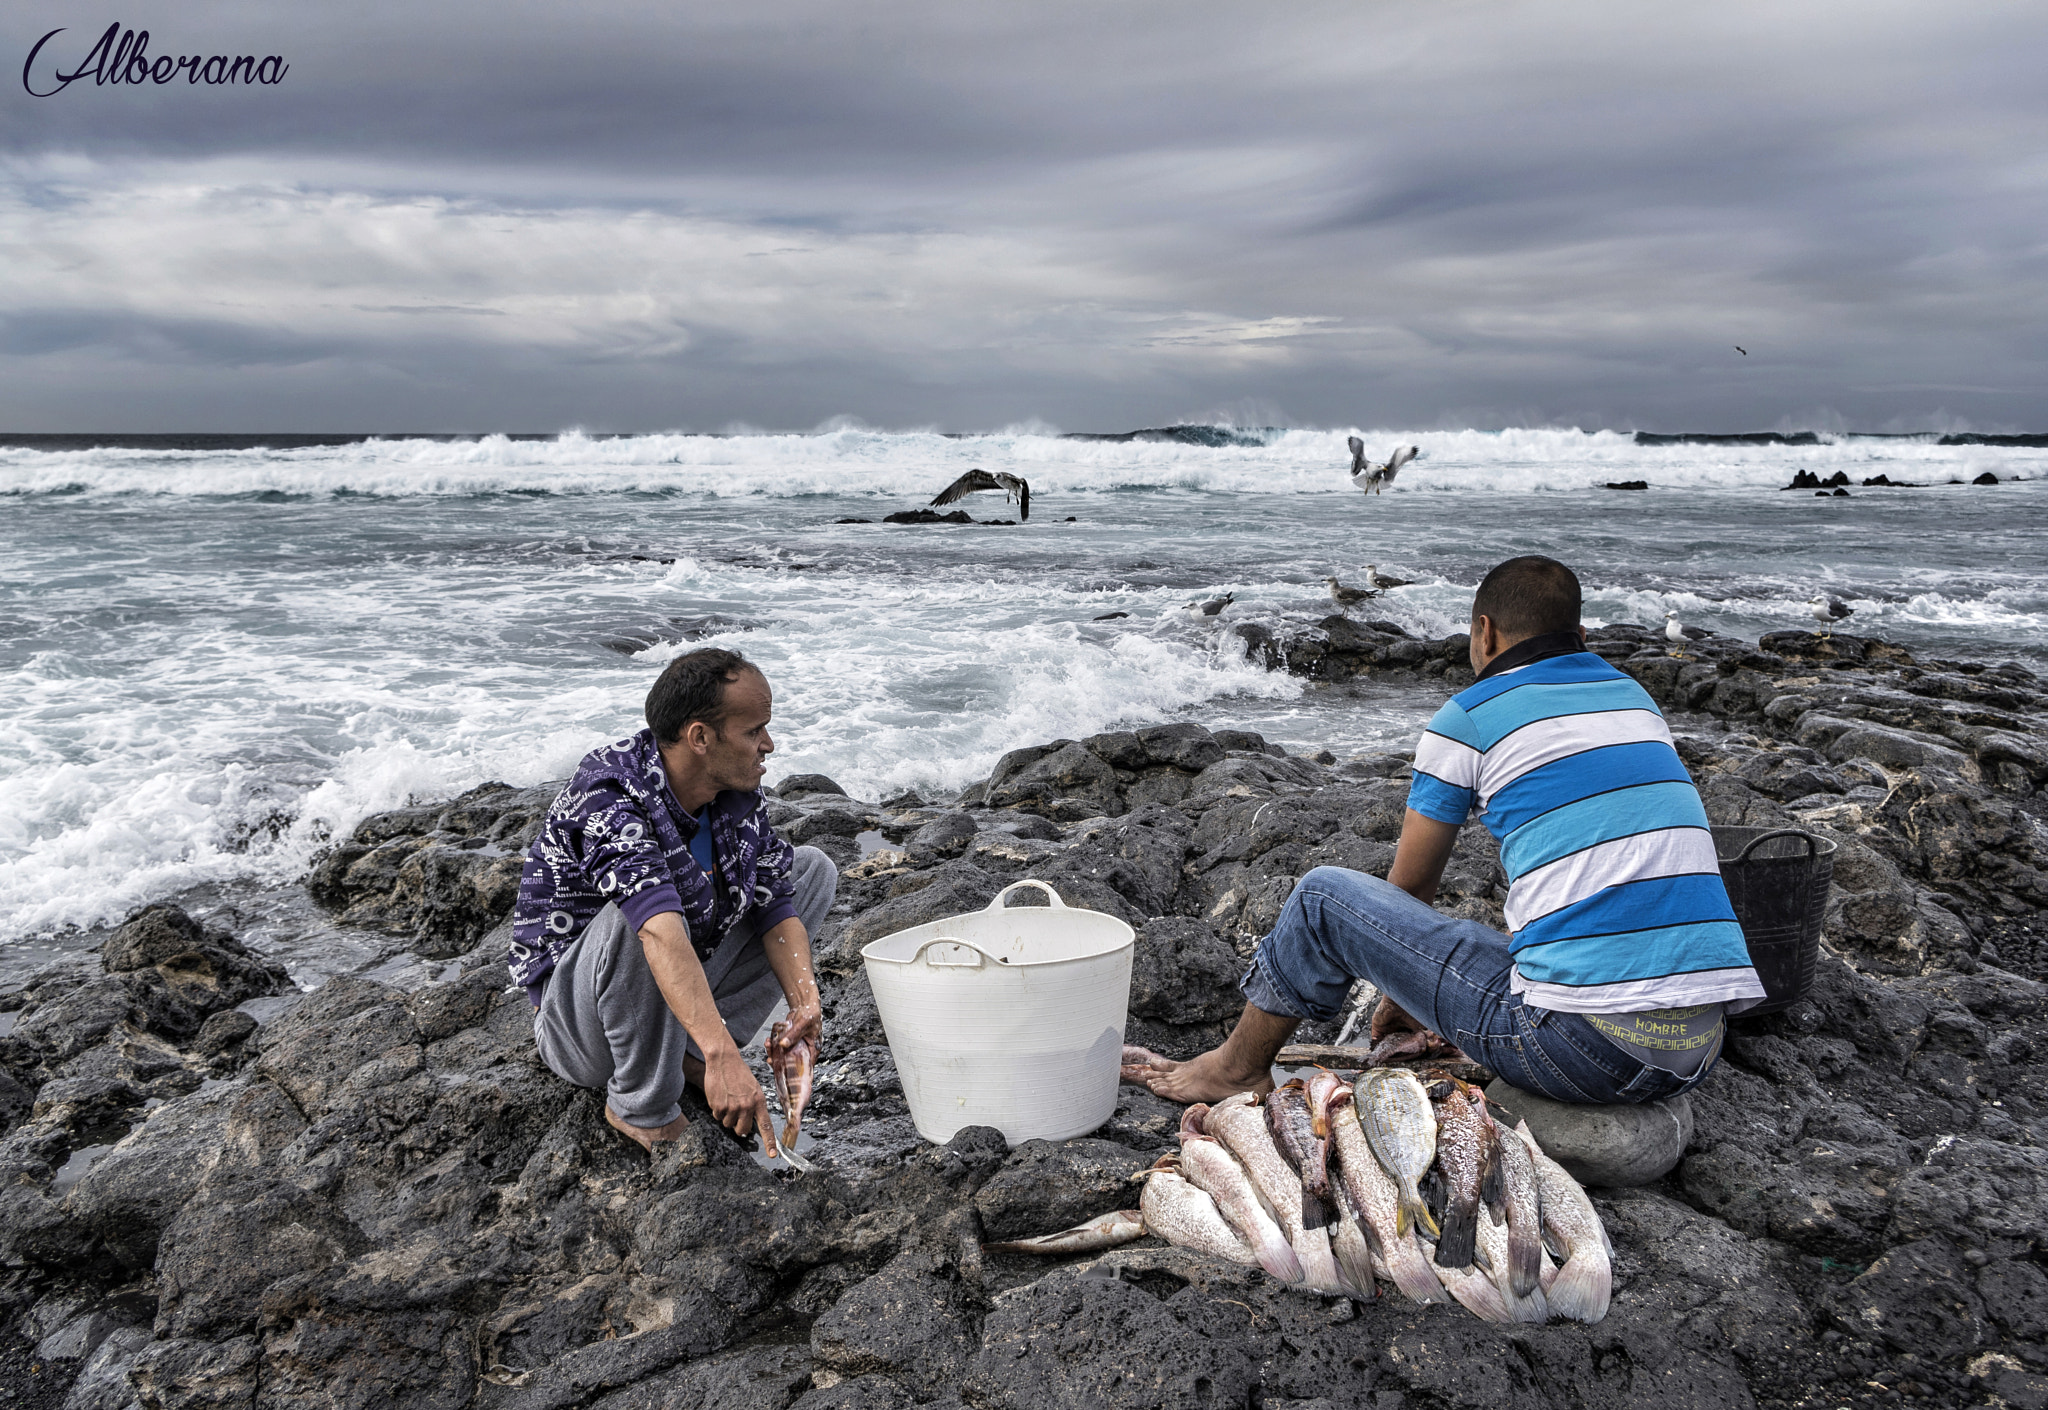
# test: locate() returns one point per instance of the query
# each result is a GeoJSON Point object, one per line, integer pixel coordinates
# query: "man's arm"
{"type": "Point", "coordinates": [1419, 861]}
{"type": "Point", "coordinates": [1421, 855]}
{"type": "Point", "coordinates": [789, 955]}
{"type": "Point", "coordinates": [736, 1098]}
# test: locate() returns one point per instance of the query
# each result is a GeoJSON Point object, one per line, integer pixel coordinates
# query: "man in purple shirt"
{"type": "Point", "coordinates": [660, 918]}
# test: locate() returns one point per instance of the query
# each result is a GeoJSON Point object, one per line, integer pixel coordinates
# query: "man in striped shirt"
{"type": "Point", "coordinates": [1623, 953]}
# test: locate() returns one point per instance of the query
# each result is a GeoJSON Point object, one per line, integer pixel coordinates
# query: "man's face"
{"type": "Point", "coordinates": [739, 748]}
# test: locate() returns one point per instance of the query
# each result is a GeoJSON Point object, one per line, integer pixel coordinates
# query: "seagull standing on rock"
{"type": "Point", "coordinates": [1828, 611]}
{"type": "Point", "coordinates": [1674, 632]}
{"type": "Point", "coordinates": [1374, 478]}
{"type": "Point", "coordinates": [1347, 596]}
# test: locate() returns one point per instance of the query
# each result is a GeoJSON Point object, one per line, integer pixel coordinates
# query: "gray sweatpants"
{"type": "Point", "coordinates": [603, 1021]}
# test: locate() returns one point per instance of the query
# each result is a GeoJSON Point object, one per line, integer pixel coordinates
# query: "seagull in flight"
{"type": "Point", "coordinates": [1741, 349]}
{"type": "Point", "coordinates": [1373, 478]}
{"type": "Point", "coordinates": [1200, 608]}
{"type": "Point", "coordinates": [1012, 486]}
{"type": "Point", "coordinates": [1828, 611]}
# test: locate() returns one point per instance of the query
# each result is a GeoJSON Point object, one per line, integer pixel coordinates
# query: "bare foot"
{"type": "Point", "coordinates": [645, 1136]}
{"type": "Point", "coordinates": [1208, 1078]}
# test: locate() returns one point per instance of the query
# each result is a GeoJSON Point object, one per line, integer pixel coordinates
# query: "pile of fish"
{"type": "Point", "coordinates": [1332, 1187]}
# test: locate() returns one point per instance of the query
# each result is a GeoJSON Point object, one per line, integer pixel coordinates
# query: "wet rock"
{"type": "Point", "coordinates": [198, 1375]}
{"type": "Point", "coordinates": [1044, 1186]}
{"type": "Point", "coordinates": [1185, 746]}
{"type": "Point", "coordinates": [1068, 784]}
{"type": "Point", "coordinates": [945, 836]}
{"type": "Point", "coordinates": [805, 785]}
{"type": "Point", "coordinates": [1605, 1146]}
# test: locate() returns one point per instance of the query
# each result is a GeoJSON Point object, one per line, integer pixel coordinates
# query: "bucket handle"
{"type": "Point", "coordinates": [972, 960]}
{"type": "Point", "coordinates": [1052, 897]}
{"type": "Point", "coordinates": [1812, 843]}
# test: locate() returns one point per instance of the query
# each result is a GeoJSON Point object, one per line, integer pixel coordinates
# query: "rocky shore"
{"type": "Point", "coordinates": [375, 1196]}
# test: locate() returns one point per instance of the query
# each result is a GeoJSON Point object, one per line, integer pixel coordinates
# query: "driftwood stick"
{"type": "Point", "coordinates": [1354, 1058]}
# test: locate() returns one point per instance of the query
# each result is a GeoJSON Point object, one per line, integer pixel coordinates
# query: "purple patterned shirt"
{"type": "Point", "coordinates": [616, 833]}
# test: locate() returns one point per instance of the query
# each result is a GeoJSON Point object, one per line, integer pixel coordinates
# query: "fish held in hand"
{"type": "Point", "coordinates": [794, 1066]}
{"type": "Point", "coordinates": [1104, 1231]}
{"type": "Point", "coordinates": [1292, 1121]}
{"type": "Point", "coordinates": [1185, 1216]}
{"type": "Point", "coordinates": [1401, 1127]}
{"type": "Point", "coordinates": [1582, 1288]}
{"type": "Point", "coordinates": [1211, 1168]}
{"type": "Point", "coordinates": [1376, 1200]}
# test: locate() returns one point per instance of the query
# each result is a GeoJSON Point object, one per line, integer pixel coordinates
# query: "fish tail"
{"type": "Point", "coordinates": [1414, 1213]}
{"type": "Point", "coordinates": [1279, 1259]}
{"type": "Point", "coordinates": [1525, 1261]}
{"type": "Point", "coordinates": [1354, 1264]}
{"type": "Point", "coordinates": [1459, 1236]}
{"type": "Point", "coordinates": [1314, 1213]}
{"type": "Point", "coordinates": [1410, 1271]}
{"type": "Point", "coordinates": [1581, 1288]}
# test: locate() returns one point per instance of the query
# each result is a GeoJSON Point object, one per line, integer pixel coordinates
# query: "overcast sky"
{"type": "Point", "coordinates": [522, 216]}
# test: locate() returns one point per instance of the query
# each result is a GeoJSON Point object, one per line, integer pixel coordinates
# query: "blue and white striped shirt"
{"type": "Point", "coordinates": [1615, 902]}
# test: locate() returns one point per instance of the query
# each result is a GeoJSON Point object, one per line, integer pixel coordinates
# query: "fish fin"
{"type": "Point", "coordinates": [1414, 1212]}
{"type": "Point", "coordinates": [1493, 1189]}
{"type": "Point", "coordinates": [1408, 1269]}
{"type": "Point", "coordinates": [1279, 1260]}
{"type": "Point", "coordinates": [1314, 1213]}
{"type": "Point", "coordinates": [1525, 1262]}
{"type": "Point", "coordinates": [1581, 1289]}
{"type": "Point", "coordinates": [1459, 1237]}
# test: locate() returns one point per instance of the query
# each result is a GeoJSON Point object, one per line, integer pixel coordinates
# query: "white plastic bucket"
{"type": "Point", "coordinates": [1007, 1018]}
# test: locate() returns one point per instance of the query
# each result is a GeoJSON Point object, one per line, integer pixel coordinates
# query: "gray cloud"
{"type": "Point", "coordinates": [629, 217]}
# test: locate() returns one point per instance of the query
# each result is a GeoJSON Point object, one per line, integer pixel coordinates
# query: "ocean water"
{"type": "Point", "coordinates": [214, 661]}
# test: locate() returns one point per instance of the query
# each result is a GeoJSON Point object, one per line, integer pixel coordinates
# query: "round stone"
{"type": "Point", "coordinates": [1603, 1145]}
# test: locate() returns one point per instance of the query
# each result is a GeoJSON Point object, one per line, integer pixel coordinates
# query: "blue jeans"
{"type": "Point", "coordinates": [1452, 975]}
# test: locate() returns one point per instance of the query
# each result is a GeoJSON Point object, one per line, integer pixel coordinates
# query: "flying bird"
{"type": "Point", "coordinates": [1380, 581]}
{"type": "Point", "coordinates": [1345, 596]}
{"type": "Point", "coordinates": [1198, 607]}
{"type": "Point", "coordinates": [1012, 487]}
{"type": "Point", "coordinates": [1741, 349]}
{"type": "Point", "coordinates": [1674, 632]}
{"type": "Point", "coordinates": [1830, 610]}
{"type": "Point", "coordinates": [1373, 478]}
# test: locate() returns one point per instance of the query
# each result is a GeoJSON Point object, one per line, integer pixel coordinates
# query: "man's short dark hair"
{"type": "Point", "coordinates": [1529, 596]}
{"type": "Point", "coordinates": [692, 688]}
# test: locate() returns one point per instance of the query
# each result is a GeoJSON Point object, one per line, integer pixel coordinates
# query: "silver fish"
{"type": "Point", "coordinates": [1377, 1201]}
{"type": "Point", "coordinates": [1395, 1112]}
{"type": "Point", "coordinates": [1103, 1231]}
{"type": "Point", "coordinates": [1520, 1194]}
{"type": "Point", "coordinates": [1582, 1288]}
{"type": "Point", "coordinates": [1186, 1217]}
{"type": "Point", "coordinates": [1240, 1123]}
{"type": "Point", "coordinates": [1461, 1152]}
{"type": "Point", "coordinates": [1498, 1259]}
{"type": "Point", "coordinates": [1348, 1241]}
{"type": "Point", "coordinates": [1211, 1168]}
{"type": "Point", "coordinates": [1292, 1123]}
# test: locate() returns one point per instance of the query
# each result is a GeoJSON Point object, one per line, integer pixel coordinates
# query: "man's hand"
{"type": "Point", "coordinates": [807, 1021]}
{"type": "Point", "coordinates": [1390, 1017]}
{"type": "Point", "coordinates": [736, 1098]}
